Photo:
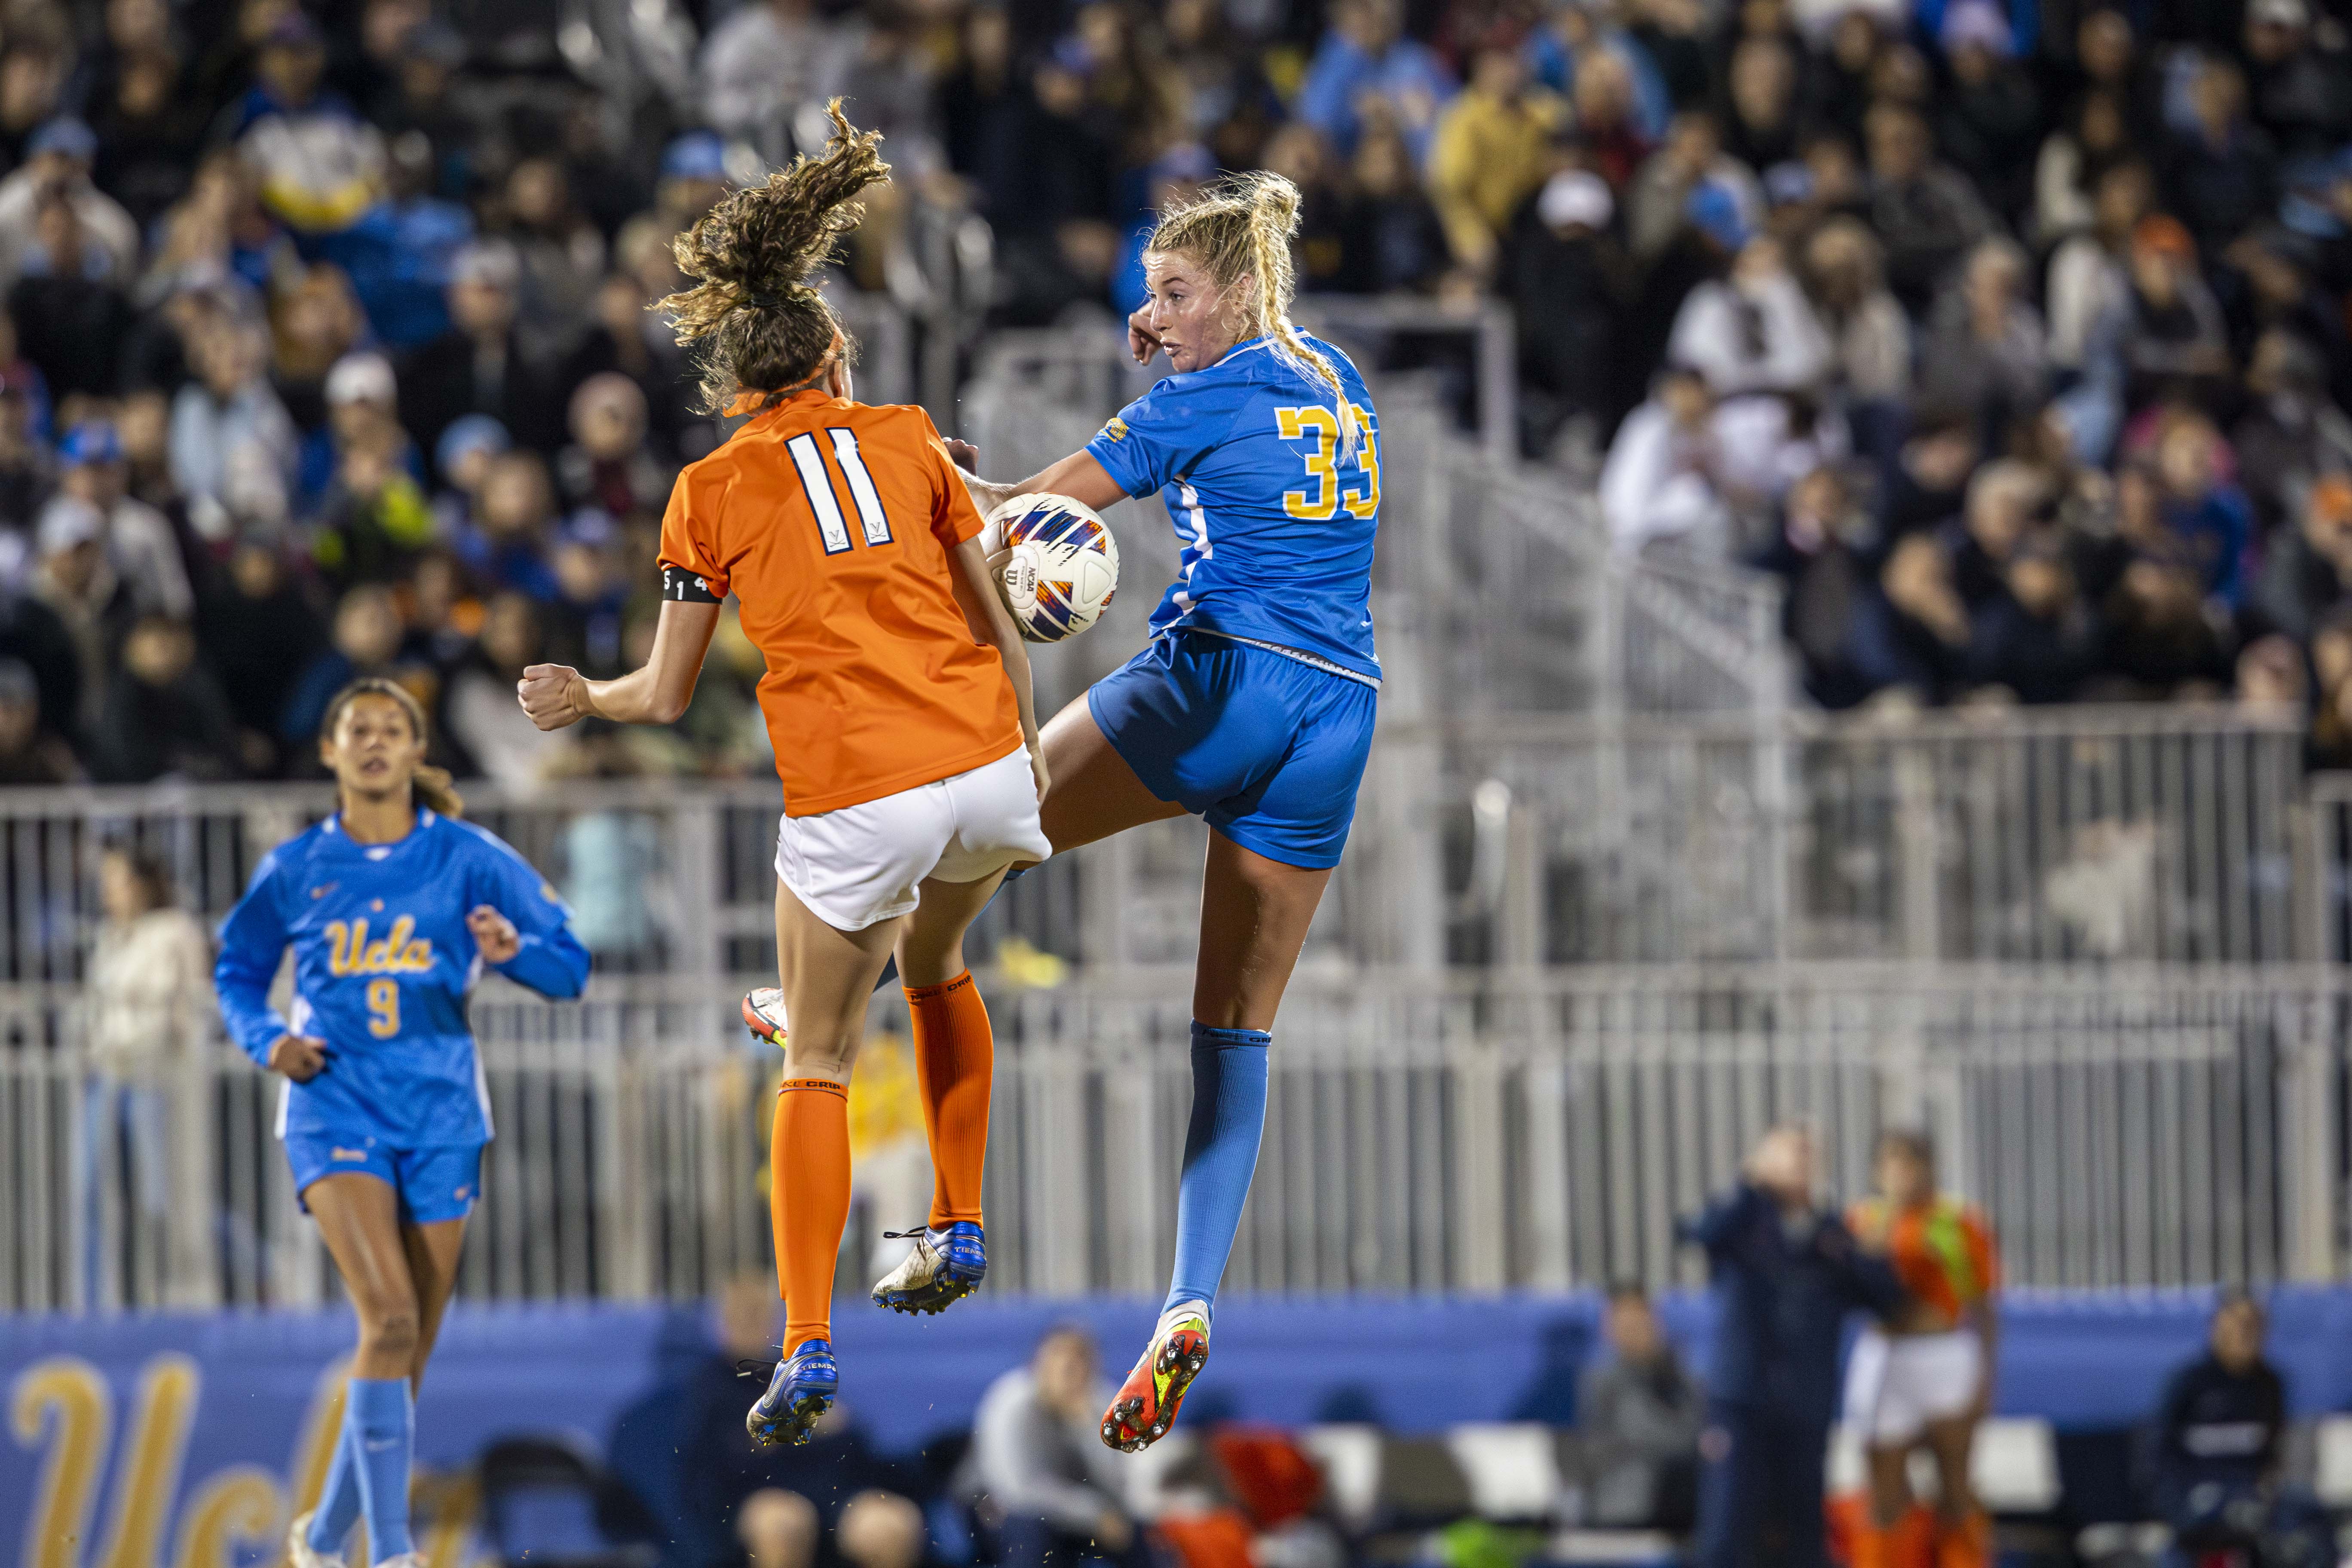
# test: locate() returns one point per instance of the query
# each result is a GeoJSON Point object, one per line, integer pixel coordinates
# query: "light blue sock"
{"type": "Point", "coordinates": [381, 1427]}
{"type": "Point", "coordinates": [1220, 1143]}
{"type": "Point", "coordinates": [338, 1499]}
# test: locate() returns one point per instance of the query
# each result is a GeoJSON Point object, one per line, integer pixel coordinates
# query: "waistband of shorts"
{"type": "Point", "coordinates": [1312, 660]}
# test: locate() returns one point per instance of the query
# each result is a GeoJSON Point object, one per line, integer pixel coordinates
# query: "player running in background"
{"type": "Point", "coordinates": [394, 907]}
{"type": "Point", "coordinates": [897, 699]}
{"type": "Point", "coordinates": [1253, 704]}
{"type": "Point", "coordinates": [1925, 1376]}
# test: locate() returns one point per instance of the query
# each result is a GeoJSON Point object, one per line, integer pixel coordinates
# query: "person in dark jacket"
{"type": "Point", "coordinates": [1785, 1272]}
{"type": "Point", "coordinates": [2219, 1450]}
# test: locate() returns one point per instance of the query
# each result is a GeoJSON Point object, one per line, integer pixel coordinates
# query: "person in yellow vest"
{"type": "Point", "coordinates": [1923, 1377]}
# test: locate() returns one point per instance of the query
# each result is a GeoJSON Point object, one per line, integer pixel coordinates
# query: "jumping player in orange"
{"type": "Point", "coordinates": [1925, 1376]}
{"type": "Point", "coordinates": [897, 699]}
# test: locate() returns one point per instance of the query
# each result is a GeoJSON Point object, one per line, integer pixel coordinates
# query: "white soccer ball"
{"type": "Point", "coordinates": [1059, 565]}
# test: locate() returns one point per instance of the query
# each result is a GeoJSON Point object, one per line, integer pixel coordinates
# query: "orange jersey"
{"type": "Point", "coordinates": [1942, 1250]}
{"type": "Point", "coordinates": [833, 523]}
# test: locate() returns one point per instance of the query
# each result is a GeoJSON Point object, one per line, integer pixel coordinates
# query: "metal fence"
{"type": "Point", "coordinates": [1424, 1133]}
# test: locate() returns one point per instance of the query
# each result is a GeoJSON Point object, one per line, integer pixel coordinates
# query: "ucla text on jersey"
{"type": "Point", "coordinates": [383, 963]}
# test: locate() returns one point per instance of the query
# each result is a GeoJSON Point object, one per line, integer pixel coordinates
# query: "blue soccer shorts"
{"type": "Point", "coordinates": [432, 1184]}
{"type": "Point", "coordinates": [1267, 747]}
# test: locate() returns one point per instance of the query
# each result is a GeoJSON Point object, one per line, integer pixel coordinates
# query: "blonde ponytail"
{"type": "Point", "coordinates": [1239, 230]}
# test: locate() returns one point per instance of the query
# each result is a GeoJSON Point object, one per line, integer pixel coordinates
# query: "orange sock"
{"type": "Point", "coordinates": [808, 1201]}
{"type": "Point", "coordinates": [1866, 1542]}
{"type": "Point", "coordinates": [955, 1057]}
{"type": "Point", "coordinates": [1968, 1544]}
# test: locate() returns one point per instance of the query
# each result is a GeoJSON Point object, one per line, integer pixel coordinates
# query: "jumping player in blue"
{"type": "Point", "coordinates": [394, 907]}
{"type": "Point", "coordinates": [1251, 705]}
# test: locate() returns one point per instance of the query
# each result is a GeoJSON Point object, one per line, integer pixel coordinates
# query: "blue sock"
{"type": "Point", "coordinates": [1220, 1155]}
{"type": "Point", "coordinates": [338, 1499]}
{"type": "Point", "coordinates": [381, 1427]}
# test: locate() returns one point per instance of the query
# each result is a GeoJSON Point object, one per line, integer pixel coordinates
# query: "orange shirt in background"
{"type": "Point", "coordinates": [1942, 1250]}
{"type": "Point", "coordinates": [832, 522]}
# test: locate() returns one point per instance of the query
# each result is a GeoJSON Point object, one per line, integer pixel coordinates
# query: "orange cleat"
{"type": "Point", "coordinates": [1145, 1405]}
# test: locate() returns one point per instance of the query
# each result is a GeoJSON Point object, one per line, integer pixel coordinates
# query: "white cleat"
{"type": "Point", "coordinates": [298, 1547]}
{"type": "Point", "coordinates": [763, 1015]}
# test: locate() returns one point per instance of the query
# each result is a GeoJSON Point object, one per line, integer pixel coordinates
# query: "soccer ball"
{"type": "Point", "coordinates": [1059, 564]}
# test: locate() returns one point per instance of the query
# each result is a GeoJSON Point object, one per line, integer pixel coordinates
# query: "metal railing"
{"type": "Point", "coordinates": [1431, 1133]}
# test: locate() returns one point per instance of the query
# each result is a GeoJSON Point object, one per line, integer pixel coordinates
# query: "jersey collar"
{"type": "Point", "coordinates": [331, 829]}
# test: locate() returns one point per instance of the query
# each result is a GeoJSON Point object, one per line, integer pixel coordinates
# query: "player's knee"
{"type": "Point", "coordinates": [391, 1328]}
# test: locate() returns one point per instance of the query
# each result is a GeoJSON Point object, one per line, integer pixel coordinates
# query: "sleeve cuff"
{"type": "Point", "coordinates": [1105, 452]}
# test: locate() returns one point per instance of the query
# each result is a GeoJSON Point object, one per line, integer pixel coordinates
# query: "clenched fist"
{"type": "Point", "coordinates": [555, 695]}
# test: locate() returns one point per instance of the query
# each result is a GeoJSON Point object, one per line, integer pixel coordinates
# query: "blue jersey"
{"type": "Point", "coordinates": [382, 965]}
{"type": "Point", "coordinates": [1276, 525]}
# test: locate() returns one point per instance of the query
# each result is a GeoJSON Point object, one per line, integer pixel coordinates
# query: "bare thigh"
{"type": "Point", "coordinates": [1952, 1442]}
{"type": "Point", "coordinates": [1890, 1483]}
{"type": "Point", "coordinates": [1254, 918]}
{"type": "Point", "coordinates": [930, 940]}
{"type": "Point", "coordinates": [359, 1219]}
{"type": "Point", "coordinates": [1091, 793]}
{"type": "Point", "coordinates": [827, 975]}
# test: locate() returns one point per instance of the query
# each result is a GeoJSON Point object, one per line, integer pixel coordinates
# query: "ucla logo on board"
{"type": "Point", "coordinates": [398, 951]}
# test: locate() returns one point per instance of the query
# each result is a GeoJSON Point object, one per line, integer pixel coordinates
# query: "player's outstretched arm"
{"type": "Point", "coordinates": [991, 624]}
{"type": "Point", "coordinates": [1077, 476]}
{"type": "Point", "coordinates": [556, 695]}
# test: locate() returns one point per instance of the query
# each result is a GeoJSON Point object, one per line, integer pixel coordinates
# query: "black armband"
{"type": "Point", "coordinates": [686, 588]}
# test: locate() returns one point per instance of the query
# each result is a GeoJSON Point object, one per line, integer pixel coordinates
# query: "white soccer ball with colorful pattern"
{"type": "Point", "coordinates": [1058, 564]}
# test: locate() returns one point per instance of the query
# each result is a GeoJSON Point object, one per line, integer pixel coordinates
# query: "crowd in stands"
{"type": "Point", "coordinates": [2011, 335]}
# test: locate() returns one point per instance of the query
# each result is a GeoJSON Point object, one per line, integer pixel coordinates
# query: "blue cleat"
{"type": "Point", "coordinates": [947, 1265]}
{"type": "Point", "coordinates": [802, 1390]}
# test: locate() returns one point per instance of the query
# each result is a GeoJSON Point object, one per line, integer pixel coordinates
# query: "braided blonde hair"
{"type": "Point", "coordinates": [1239, 231]}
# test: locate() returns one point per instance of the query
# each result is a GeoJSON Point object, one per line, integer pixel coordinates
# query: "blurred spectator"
{"type": "Point", "coordinates": [321, 167]}
{"type": "Point", "coordinates": [1870, 337]}
{"type": "Point", "coordinates": [1990, 124]}
{"type": "Point", "coordinates": [1913, 633]}
{"type": "Point", "coordinates": [608, 464]}
{"type": "Point", "coordinates": [72, 320]}
{"type": "Point", "coordinates": [1785, 1274]}
{"type": "Point", "coordinates": [2173, 341]}
{"type": "Point", "coordinates": [777, 1529]}
{"type": "Point", "coordinates": [2219, 1449]}
{"type": "Point", "coordinates": [1565, 278]}
{"type": "Point", "coordinates": [164, 715]}
{"type": "Point", "coordinates": [1659, 481]}
{"type": "Point", "coordinates": [1047, 1488]}
{"type": "Point", "coordinates": [481, 714]}
{"type": "Point", "coordinates": [1364, 61]}
{"type": "Point", "coordinates": [463, 459]}
{"type": "Point", "coordinates": [560, 254]}
{"type": "Point", "coordinates": [1984, 346]}
{"type": "Point", "coordinates": [882, 1530]}
{"type": "Point", "coordinates": [760, 65]}
{"type": "Point", "coordinates": [1609, 133]}
{"type": "Point", "coordinates": [2090, 278]}
{"type": "Point", "coordinates": [2208, 526]}
{"type": "Point", "coordinates": [72, 577]}
{"type": "Point", "coordinates": [365, 641]}
{"type": "Point", "coordinates": [1761, 126]}
{"type": "Point", "coordinates": [1692, 156]}
{"type": "Point", "coordinates": [144, 1128]}
{"type": "Point", "coordinates": [514, 516]}
{"type": "Point", "coordinates": [139, 543]}
{"type": "Point", "coordinates": [479, 365]}
{"type": "Point", "coordinates": [29, 752]}
{"type": "Point", "coordinates": [1925, 212]}
{"type": "Point", "coordinates": [373, 518]}
{"type": "Point", "coordinates": [2292, 435]}
{"type": "Point", "coordinates": [259, 634]}
{"type": "Point", "coordinates": [1640, 1415]}
{"type": "Point", "coordinates": [314, 325]}
{"type": "Point", "coordinates": [23, 460]}
{"type": "Point", "coordinates": [2073, 163]}
{"type": "Point", "coordinates": [1492, 151]}
{"type": "Point", "coordinates": [1755, 330]}
{"type": "Point", "coordinates": [2222, 172]}
{"type": "Point", "coordinates": [2307, 569]}
{"type": "Point", "coordinates": [56, 163]}
{"type": "Point", "coordinates": [1390, 236]}
{"type": "Point", "coordinates": [234, 449]}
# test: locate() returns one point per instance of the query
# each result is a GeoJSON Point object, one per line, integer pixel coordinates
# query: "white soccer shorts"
{"type": "Point", "coordinates": [863, 863]}
{"type": "Point", "coordinates": [1896, 1385]}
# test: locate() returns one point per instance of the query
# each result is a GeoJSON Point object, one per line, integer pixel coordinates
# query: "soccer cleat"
{"type": "Point", "coordinates": [801, 1390]}
{"type": "Point", "coordinates": [947, 1265]}
{"type": "Point", "coordinates": [763, 1015]}
{"type": "Point", "coordinates": [299, 1554]}
{"type": "Point", "coordinates": [1146, 1404]}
